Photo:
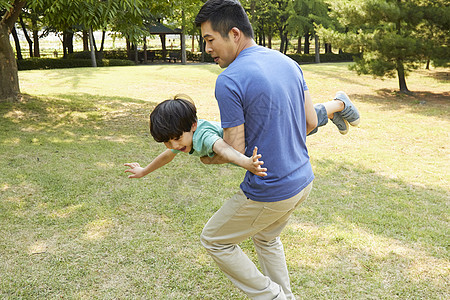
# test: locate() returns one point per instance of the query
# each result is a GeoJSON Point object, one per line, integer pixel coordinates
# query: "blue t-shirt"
{"type": "Point", "coordinates": [206, 134]}
{"type": "Point", "coordinates": [265, 90]}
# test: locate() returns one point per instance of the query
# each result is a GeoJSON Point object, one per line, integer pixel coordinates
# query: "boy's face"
{"type": "Point", "coordinates": [184, 142]}
{"type": "Point", "coordinates": [223, 50]}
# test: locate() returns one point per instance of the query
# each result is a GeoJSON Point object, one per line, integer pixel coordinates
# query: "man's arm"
{"type": "Point", "coordinates": [233, 136]}
{"type": "Point", "coordinates": [310, 113]}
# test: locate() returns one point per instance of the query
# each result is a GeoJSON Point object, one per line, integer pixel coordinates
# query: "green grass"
{"type": "Point", "coordinates": [72, 225]}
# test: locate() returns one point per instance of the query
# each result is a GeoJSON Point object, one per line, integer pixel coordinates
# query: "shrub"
{"type": "Point", "coordinates": [327, 57]}
{"type": "Point", "coordinates": [61, 63]}
{"type": "Point", "coordinates": [106, 54]}
{"type": "Point", "coordinates": [84, 55]}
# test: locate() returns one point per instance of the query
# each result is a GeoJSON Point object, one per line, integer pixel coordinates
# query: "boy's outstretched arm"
{"type": "Point", "coordinates": [161, 160]}
{"type": "Point", "coordinates": [227, 154]}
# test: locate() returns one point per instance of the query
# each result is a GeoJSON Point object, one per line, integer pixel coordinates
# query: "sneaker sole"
{"type": "Point", "coordinates": [355, 123]}
{"type": "Point", "coordinates": [345, 131]}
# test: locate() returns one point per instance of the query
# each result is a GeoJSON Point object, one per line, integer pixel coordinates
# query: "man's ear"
{"type": "Point", "coordinates": [236, 34]}
{"type": "Point", "coordinates": [194, 126]}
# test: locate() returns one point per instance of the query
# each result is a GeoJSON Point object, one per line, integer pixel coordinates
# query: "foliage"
{"type": "Point", "coordinates": [305, 13]}
{"type": "Point", "coordinates": [390, 33]}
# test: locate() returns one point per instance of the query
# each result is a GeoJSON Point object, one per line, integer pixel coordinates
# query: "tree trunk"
{"type": "Point", "coordinates": [317, 48]}
{"type": "Point", "coordinates": [401, 77]}
{"type": "Point", "coordinates": [136, 53]}
{"type": "Point", "coordinates": [127, 41]}
{"type": "Point", "coordinates": [36, 51]}
{"type": "Point", "coordinates": [282, 41]}
{"type": "Point", "coordinates": [69, 42]}
{"type": "Point", "coordinates": [145, 51]}
{"type": "Point", "coordinates": [202, 48]}
{"type": "Point", "coordinates": [183, 40]}
{"type": "Point", "coordinates": [263, 37]}
{"type": "Point", "coordinates": [163, 44]}
{"type": "Point", "coordinates": [286, 43]}
{"type": "Point", "coordinates": [103, 41]}
{"type": "Point", "coordinates": [85, 40]}
{"type": "Point", "coordinates": [64, 43]}
{"type": "Point", "coordinates": [299, 48]}
{"type": "Point", "coordinates": [27, 37]}
{"type": "Point", "coordinates": [307, 43]}
{"type": "Point", "coordinates": [17, 43]}
{"type": "Point", "coordinates": [9, 79]}
{"type": "Point", "coordinates": [428, 65]}
{"type": "Point", "coordinates": [91, 41]}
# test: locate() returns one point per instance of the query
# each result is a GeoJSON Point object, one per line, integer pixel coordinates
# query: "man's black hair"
{"type": "Point", "coordinates": [224, 15]}
{"type": "Point", "coordinates": [171, 118]}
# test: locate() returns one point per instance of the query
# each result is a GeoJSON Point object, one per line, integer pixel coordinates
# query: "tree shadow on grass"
{"type": "Point", "coordinates": [74, 75]}
{"type": "Point", "coordinates": [359, 226]}
{"type": "Point", "coordinates": [441, 76]}
{"type": "Point", "coordinates": [425, 103]}
{"type": "Point", "coordinates": [382, 205]}
{"type": "Point", "coordinates": [69, 113]}
{"type": "Point", "coordinates": [332, 74]}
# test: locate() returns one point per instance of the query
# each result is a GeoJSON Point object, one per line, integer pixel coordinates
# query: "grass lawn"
{"type": "Point", "coordinates": [73, 226]}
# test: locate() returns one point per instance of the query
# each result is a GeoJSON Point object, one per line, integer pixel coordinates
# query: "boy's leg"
{"type": "Point", "coordinates": [238, 219]}
{"type": "Point", "coordinates": [322, 117]}
{"type": "Point", "coordinates": [341, 111]}
{"type": "Point", "coordinates": [328, 110]}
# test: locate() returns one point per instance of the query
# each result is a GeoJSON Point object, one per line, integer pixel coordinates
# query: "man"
{"type": "Point", "coordinates": [264, 102]}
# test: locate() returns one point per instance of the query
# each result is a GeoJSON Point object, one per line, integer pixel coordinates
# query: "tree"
{"type": "Point", "coordinates": [264, 18]}
{"type": "Point", "coordinates": [303, 15]}
{"type": "Point", "coordinates": [389, 34]}
{"type": "Point", "coordinates": [181, 11]}
{"type": "Point", "coordinates": [64, 15]}
{"type": "Point", "coordinates": [9, 80]}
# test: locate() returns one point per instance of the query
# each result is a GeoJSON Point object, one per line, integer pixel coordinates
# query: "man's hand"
{"type": "Point", "coordinates": [136, 170]}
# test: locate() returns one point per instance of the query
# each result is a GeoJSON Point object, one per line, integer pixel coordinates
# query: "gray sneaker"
{"type": "Point", "coordinates": [350, 112]}
{"type": "Point", "coordinates": [340, 123]}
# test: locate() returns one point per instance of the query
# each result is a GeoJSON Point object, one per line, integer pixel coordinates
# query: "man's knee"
{"type": "Point", "coordinates": [264, 243]}
{"type": "Point", "coordinates": [204, 240]}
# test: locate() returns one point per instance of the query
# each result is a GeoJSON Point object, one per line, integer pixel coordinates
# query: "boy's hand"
{"type": "Point", "coordinates": [136, 170]}
{"type": "Point", "coordinates": [255, 164]}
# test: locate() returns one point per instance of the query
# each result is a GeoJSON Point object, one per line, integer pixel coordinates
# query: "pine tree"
{"type": "Point", "coordinates": [390, 34]}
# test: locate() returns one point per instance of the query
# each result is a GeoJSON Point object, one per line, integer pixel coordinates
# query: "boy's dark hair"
{"type": "Point", "coordinates": [172, 117]}
{"type": "Point", "coordinates": [224, 15]}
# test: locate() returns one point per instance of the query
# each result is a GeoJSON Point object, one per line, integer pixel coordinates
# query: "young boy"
{"type": "Point", "coordinates": [174, 123]}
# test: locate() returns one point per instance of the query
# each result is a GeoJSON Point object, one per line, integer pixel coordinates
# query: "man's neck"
{"type": "Point", "coordinates": [246, 43]}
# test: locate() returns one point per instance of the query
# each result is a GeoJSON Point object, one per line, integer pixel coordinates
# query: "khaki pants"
{"type": "Point", "coordinates": [240, 218]}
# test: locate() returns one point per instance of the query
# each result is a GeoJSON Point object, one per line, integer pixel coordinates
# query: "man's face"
{"type": "Point", "coordinates": [223, 50]}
